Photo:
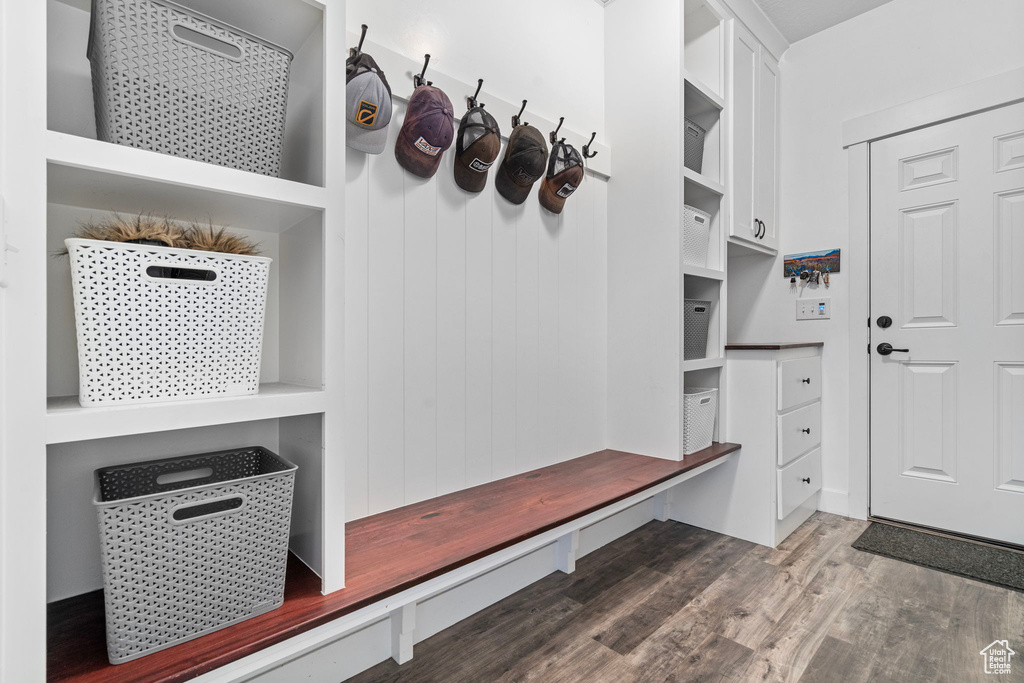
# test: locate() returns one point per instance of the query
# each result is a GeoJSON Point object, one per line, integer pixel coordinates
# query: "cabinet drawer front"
{"type": "Point", "coordinates": [799, 431]}
{"type": "Point", "coordinates": [799, 381]}
{"type": "Point", "coordinates": [794, 487]}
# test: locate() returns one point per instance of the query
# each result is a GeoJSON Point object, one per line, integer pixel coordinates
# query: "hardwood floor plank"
{"type": "Point", "coordinates": [688, 579]}
{"type": "Point", "coordinates": [684, 604]}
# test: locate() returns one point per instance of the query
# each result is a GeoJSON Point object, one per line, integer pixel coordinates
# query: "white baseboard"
{"type": "Point", "coordinates": [835, 501]}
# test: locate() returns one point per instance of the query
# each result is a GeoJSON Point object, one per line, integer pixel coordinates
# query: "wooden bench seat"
{"type": "Point", "coordinates": [385, 554]}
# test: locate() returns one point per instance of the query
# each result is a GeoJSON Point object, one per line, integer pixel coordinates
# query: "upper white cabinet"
{"type": "Point", "coordinates": [754, 142]}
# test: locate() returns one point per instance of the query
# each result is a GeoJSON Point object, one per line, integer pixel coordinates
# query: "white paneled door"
{"type": "Point", "coordinates": [947, 326]}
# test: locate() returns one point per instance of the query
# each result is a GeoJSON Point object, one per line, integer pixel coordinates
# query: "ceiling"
{"type": "Point", "coordinates": [797, 19]}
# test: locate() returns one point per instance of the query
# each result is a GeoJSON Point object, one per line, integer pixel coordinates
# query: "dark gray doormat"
{"type": "Point", "coordinates": [990, 564]}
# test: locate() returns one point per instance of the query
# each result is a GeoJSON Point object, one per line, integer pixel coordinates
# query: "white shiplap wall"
{"type": "Point", "coordinates": [475, 332]}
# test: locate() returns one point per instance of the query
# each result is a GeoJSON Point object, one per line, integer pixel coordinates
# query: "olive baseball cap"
{"type": "Point", "coordinates": [368, 104]}
{"type": "Point", "coordinates": [565, 173]}
{"type": "Point", "coordinates": [477, 145]}
{"type": "Point", "coordinates": [523, 163]}
{"type": "Point", "coordinates": [428, 130]}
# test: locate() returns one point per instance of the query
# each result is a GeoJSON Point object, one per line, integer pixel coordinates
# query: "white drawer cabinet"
{"type": "Point", "coordinates": [774, 412]}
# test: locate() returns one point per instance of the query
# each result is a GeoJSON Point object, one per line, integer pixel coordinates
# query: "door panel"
{"type": "Point", "coordinates": [744, 86]}
{"type": "Point", "coordinates": [928, 239]}
{"type": "Point", "coordinates": [767, 155]}
{"type": "Point", "coordinates": [947, 265]}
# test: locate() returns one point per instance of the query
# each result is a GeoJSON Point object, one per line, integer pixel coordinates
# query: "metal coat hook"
{"type": "Point", "coordinates": [515, 117]}
{"type": "Point", "coordinates": [417, 80]}
{"type": "Point", "coordinates": [587, 154]}
{"type": "Point", "coordinates": [471, 101]}
{"type": "Point", "coordinates": [554, 133]}
{"type": "Point", "coordinates": [359, 48]}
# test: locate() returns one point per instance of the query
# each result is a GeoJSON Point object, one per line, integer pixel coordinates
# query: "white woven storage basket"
{"type": "Point", "coordinates": [168, 79]}
{"type": "Point", "coordinates": [696, 320]}
{"type": "Point", "coordinates": [151, 328]}
{"type": "Point", "coordinates": [191, 545]}
{"type": "Point", "coordinates": [696, 236]}
{"type": "Point", "coordinates": [700, 410]}
{"type": "Point", "coordinates": [693, 145]}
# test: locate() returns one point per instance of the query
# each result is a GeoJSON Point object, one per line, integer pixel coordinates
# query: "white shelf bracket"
{"type": "Point", "coordinates": [568, 545]}
{"type": "Point", "coordinates": [403, 630]}
{"type": "Point", "coordinates": [663, 505]}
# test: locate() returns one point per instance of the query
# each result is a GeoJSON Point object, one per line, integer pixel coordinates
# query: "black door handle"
{"type": "Point", "coordinates": [760, 228]}
{"type": "Point", "coordinates": [806, 480]}
{"type": "Point", "coordinates": [806, 431]}
{"type": "Point", "coordinates": [885, 348]}
{"type": "Point", "coordinates": [806, 380]}
{"type": "Point", "coordinates": [764, 229]}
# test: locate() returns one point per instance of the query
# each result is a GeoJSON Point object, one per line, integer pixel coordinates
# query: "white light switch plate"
{"type": "Point", "coordinates": [814, 309]}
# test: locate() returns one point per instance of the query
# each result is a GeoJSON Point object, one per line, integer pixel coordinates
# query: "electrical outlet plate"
{"type": "Point", "coordinates": [814, 309]}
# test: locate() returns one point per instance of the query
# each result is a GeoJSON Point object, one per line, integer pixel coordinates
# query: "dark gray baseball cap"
{"type": "Point", "coordinates": [523, 164]}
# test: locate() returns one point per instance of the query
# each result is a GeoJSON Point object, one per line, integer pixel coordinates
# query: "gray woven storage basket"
{"type": "Point", "coordinates": [171, 80]}
{"type": "Point", "coordinates": [693, 145]}
{"type": "Point", "coordinates": [696, 319]}
{"type": "Point", "coordinates": [191, 545]}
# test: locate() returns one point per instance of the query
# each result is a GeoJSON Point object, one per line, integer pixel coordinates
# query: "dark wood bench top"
{"type": "Point", "coordinates": [384, 555]}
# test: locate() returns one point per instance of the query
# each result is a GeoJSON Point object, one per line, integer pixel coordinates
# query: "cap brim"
{"type": "Point", "coordinates": [468, 179]}
{"type": "Point", "coordinates": [415, 161]}
{"type": "Point", "coordinates": [549, 199]}
{"type": "Point", "coordinates": [365, 139]}
{"type": "Point", "coordinates": [509, 189]}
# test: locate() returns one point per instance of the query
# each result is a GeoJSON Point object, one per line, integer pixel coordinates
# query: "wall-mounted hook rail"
{"type": "Point", "coordinates": [355, 51]}
{"type": "Point", "coordinates": [515, 117]}
{"type": "Point", "coordinates": [417, 80]}
{"type": "Point", "coordinates": [554, 133]}
{"type": "Point", "coordinates": [587, 154]}
{"type": "Point", "coordinates": [471, 101]}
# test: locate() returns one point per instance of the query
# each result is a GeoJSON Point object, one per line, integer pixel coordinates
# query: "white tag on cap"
{"type": "Point", "coordinates": [480, 166]}
{"type": "Point", "coordinates": [566, 190]}
{"type": "Point", "coordinates": [428, 149]}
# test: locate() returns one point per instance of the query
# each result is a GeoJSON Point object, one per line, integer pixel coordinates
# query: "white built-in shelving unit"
{"type": "Point", "coordinates": [56, 174]}
{"type": "Point", "coordinates": [704, 76]}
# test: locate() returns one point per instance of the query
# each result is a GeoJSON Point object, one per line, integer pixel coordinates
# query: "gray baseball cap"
{"type": "Point", "coordinates": [368, 105]}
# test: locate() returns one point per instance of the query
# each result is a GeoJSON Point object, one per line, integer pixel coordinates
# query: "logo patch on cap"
{"type": "Point", "coordinates": [521, 175]}
{"type": "Point", "coordinates": [425, 147]}
{"type": "Point", "coordinates": [366, 114]}
{"type": "Point", "coordinates": [566, 190]}
{"type": "Point", "coordinates": [480, 166]}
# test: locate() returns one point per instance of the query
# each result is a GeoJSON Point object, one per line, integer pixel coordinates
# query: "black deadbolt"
{"type": "Point", "coordinates": [884, 321]}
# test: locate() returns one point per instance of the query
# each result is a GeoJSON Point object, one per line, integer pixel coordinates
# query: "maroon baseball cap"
{"type": "Point", "coordinates": [428, 130]}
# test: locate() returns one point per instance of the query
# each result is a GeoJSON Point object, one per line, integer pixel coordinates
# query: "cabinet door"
{"type": "Point", "coordinates": [745, 61]}
{"type": "Point", "coordinates": [766, 154]}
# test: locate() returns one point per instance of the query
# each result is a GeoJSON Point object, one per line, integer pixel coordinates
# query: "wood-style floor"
{"type": "Point", "coordinates": [671, 603]}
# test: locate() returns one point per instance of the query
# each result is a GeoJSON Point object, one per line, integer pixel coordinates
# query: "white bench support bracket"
{"type": "Point", "coordinates": [403, 630]}
{"type": "Point", "coordinates": [568, 545]}
{"type": "Point", "coordinates": [663, 505]}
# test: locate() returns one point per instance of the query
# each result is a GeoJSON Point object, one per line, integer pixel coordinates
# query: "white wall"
{"type": "Point", "coordinates": [642, 61]}
{"type": "Point", "coordinates": [550, 53]}
{"type": "Point", "coordinates": [475, 329]}
{"type": "Point", "coordinates": [898, 52]}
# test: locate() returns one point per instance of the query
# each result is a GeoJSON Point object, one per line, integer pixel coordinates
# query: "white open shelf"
{"type": "Point", "coordinates": [67, 421]}
{"type": "Point", "coordinates": [709, 273]}
{"type": "Point", "coordinates": [703, 41]}
{"type": "Point", "coordinates": [700, 94]}
{"type": "Point", "coordinates": [702, 364]}
{"type": "Point", "coordinates": [702, 181]}
{"type": "Point", "coordinates": [103, 176]}
{"type": "Point", "coordinates": [296, 25]}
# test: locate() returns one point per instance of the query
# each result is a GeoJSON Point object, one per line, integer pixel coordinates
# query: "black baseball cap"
{"type": "Point", "coordinates": [477, 145]}
{"type": "Point", "coordinates": [523, 164]}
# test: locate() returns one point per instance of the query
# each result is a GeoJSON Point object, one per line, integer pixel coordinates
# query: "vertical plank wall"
{"type": "Point", "coordinates": [475, 332]}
